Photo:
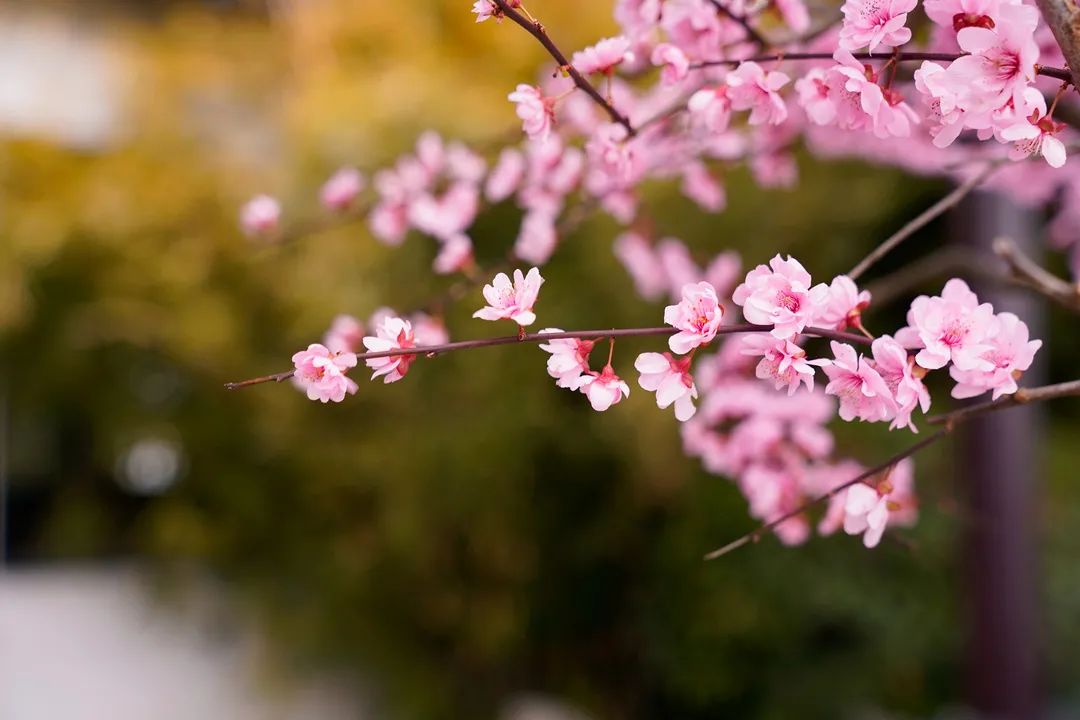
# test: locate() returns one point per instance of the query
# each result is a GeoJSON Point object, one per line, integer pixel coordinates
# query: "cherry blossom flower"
{"type": "Point", "coordinates": [949, 327]}
{"type": "Point", "coordinates": [780, 295]}
{"type": "Point", "coordinates": [537, 238]}
{"type": "Point", "coordinates": [448, 214]}
{"type": "Point", "coordinates": [1010, 353]}
{"type": "Point", "coordinates": [601, 57]}
{"type": "Point", "coordinates": [868, 510]}
{"type": "Point", "coordinates": [947, 118]}
{"type": "Point", "coordinates": [699, 185]}
{"type": "Point", "coordinates": [428, 330]}
{"type": "Point", "coordinates": [604, 389]}
{"type": "Point", "coordinates": [815, 97]}
{"type": "Point", "coordinates": [1036, 134]}
{"type": "Point", "coordinates": [794, 14]}
{"type": "Point", "coordinates": [569, 359]}
{"type": "Point", "coordinates": [346, 334]}
{"type": "Point", "coordinates": [862, 392]}
{"type": "Point", "coordinates": [260, 216]}
{"type": "Point", "coordinates": [782, 362]}
{"type": "Point", "coordinates": [342, 189]}
{"type": "Point", "coordinates": [752, 88]}
{"type": "Point", "coordinates": [897, 369]}
{"type": "Point", "coordinates": [676, 66]}
{"type": "Point", "coordinates": [485, 9]}
{"type": "Point", "coordinates": [635, 254]}
{"type": "Point", "coordinates": [677, 265]}
{"type": "Point", "coordinates": [959, 14]}
{"type": "Point", "coordinates": [872, 23]}
{"type": "Point", "coordinates": [669, 377]}
{"type": "Point", "coordinates": [537, 112]}
{"type": "Point", "coordinates": [697, 318]}
{"type": "Point", "coordinates": [844, 305]}
{"type": "Point", "coordinates": [515, 301]}
{"type": "Point", "coordinates": [321, 373]}
{"type": "Point", "coordinates": [1001, 62]}
{"type": "Point", "coordinates": [505, 177]}
{"type": "Point", "coordinates": [711, 108]}
{"type": "Point", "coordinates": [455, 254]}
{"type": "Point", "coordinates": [392, 333]}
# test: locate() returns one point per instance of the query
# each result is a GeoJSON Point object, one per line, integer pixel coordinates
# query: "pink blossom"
{"type": "Point", "coordinates": [1010, 353]}
{"type": "Point", "coordinates": [959, 14]}
{"type": "Point", "coordinates": [844, 304]}
{"type": "Point", "coordinates": [537, 238]}
{"type": "Point", "coordinates": [428, 330]}
{"type": "Point", "coordinates": [260, 216]}
{"type": "Point", "coordinates": [448, 214]}
{"type": "Point", "coordinates": [601, 57]}
{"type": "Point", "coordinates": [505, 176]}
{"type": "Point", "coordinates": [711, 108]}
{"type": "Point", "coordinates": [780, 295]}
{"type": "Point", "coordinates": [321, 373]}
{"type": "Point", "coordinates": [782, 362]}
{"type": "Point", "coordinates": [697, 317]}
{"type": "Point", "coordinates": [676, 66]}
{"type": "Point", "coordinates": [391, 333]}
{"type": "Point", "coordinates": [863, 104]}
{"type": "Point", "coordinates": [569, 359]}
{"type": "Point", "coordinates": [815, 97]}
{"type": "Point", "coordinates": [677, 265]}
{"type": "Point", "coordinates": [1001, 62]}
{"type": "Point", "coordinates": [723, 272]}
{"type": "Point", "coordinates": [1036, 134]}
{"type": "Point", "coordinates": [603, 389]}
{"type": "Point", "coordinates": [537, 112]}
{"type": "Point", "coordinates": [794, 14]}
{"type": "Point", "coordinates": [871, 23]}
{"type": "Point", "coordinates": [898, 371]}
{"type": "Point", "coordinates": [751, 88]}
{"type": "Point", "coordinates": [946, 118]}
{"type": "Point", "coordinates": [635, 254]}
{"type": "Point", "coordinates": [346, 334]}
{"type": "Point", "coordinates": [512, 301]}
{"type": "Point", "coordinates": [952, 326]}
{"type": "Point", "coordinates": [455, 254]}
{"type": "Point", "coordinates": [862, 392]}
{"type": "Point", "coordinates": [615, 162]}
{"type": "Point", "coordinates": [485, 9]}
{"type": "Point", "coordinates": [669, 377]}
{"type": "Point", "coordinates": [342, 189]}
{"type": "Point", "coordinates": [699, 185]}
{"type": "Point", "coordinates": [868, 510]}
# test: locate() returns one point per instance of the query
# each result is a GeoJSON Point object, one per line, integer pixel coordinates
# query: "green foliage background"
{"type": "Point", "coordinates": [470, 532]}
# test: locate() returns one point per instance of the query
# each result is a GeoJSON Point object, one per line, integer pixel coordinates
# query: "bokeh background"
{"type": "Point", "coordinates": [466, 542]}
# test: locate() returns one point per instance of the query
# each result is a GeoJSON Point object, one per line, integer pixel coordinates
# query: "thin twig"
{"type": "Point", "coordinates": [743, 21]}
{"type": "Point", "coordinates": [924, 218]}
{"type": "Point", "coordinates": [762, 529]}
{"type": "Point", "coordinates": [1054, 72]}
{"type": "Point", "coordinates": [432, 350]}
{"type": "Point", "coordinates": [949, 420]}
{"type": "Point", "coordinates": [1020, 397]}
{"type": "Point", "coordinates": [1032, 275]}
{"type": "Point", "coordinates": [537, 31]}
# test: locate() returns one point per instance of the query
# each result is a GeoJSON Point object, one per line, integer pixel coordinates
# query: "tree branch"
{"type": "Point", "coordinates": [948, 420]}
{"type": "Point", "coordinates": [923, 219]}
{"type": "Point", "coordinates": [1059, 73]}
{"type": "Point", "coordinates": [1063, 17]}
{"type": "Point", "coordinates": [537, 31]}
{"type": "Point", "coordinates": [433, 350]}
{"type": "Point", "coordinates": [742, 20]}
{"type": "Point", "coordinates": [1029, 273]}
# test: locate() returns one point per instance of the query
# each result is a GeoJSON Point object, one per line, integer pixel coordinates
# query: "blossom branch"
{"type": "Point", "coordinates": [756, 534]}
{"type": "Point", "coordinates": [1063, 17]}
{"type": "Point", "coordinates": [1022, 396]}
{"type": "Point", "coordinates": [1029, 273]}
{"type": "Point", "coordinates": [537, 31]}
{"type": "Point", "coordinates": [433, 350]}
{"type": "Point", "coordinates": [743, 21]}
{"type": "Point", "coordinates": [923, 219]}
{"type": "Point", "coordinates": [1054, 72]}
{"type": "Point", "coordinates": [948, 420]}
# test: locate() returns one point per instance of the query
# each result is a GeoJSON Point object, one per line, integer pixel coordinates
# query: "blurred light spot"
{"type": "Point", "coordinates": [150, 466]}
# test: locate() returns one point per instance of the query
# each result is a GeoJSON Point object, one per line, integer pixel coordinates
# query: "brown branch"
{"type": "Point", "coordinates": [1020, 397]}
{"type": "Point", "coordinates": [537, 31]}
{"type": "Point", "coordinates": [743, 21]}
{"type": "Point", "coordinates": [756, 534]}
{"type": "Point", "coordinates": [1059, 73]}
{"type": "Point", "coordinates": [1029, 273]}
{"type": "Point", "coordinates": [948, 420]}
{"type": "Point", "coordinates": [1063, 17]}
{"type": "Point", "coordinates": [924, 218]}
{"type": "Point", "coordinates": [433, 350]}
